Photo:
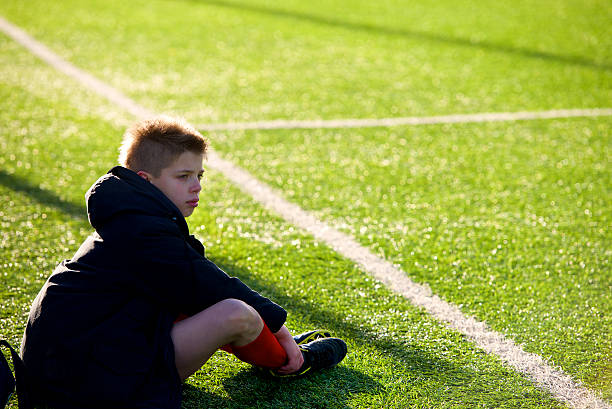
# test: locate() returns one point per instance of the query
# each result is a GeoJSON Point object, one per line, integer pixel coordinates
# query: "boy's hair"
{"type": "Point", "coordinates": [154, 144]}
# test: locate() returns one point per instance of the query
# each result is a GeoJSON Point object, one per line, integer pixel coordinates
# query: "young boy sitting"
{"type": "Point", "coordinates": [139, 308]}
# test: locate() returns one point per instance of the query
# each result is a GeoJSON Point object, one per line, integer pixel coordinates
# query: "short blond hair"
{"type": "Point", "coordinates": [154, 144]}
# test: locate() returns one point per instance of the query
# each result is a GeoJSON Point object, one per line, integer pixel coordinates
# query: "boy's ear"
{"type": "Point", "coordinates": [145, 175]}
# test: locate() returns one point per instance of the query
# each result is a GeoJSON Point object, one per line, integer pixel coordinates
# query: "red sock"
{"type": "Point", "coordinates": [181, 317]}
{"type": "Point", "coordinates": [264, 351]}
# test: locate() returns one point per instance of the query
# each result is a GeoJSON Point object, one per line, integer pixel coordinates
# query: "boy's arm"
{"type": "Point", "coordinates": [162, 265]}
{"type": "Point", "coordinates": [215, 285]}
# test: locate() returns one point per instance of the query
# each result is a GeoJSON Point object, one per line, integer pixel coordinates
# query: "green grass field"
{"type": "Point", "coordinates": [508, 220]}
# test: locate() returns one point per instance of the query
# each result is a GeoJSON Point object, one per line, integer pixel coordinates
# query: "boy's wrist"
{"type": "Point", "coordinates": [283, 333]}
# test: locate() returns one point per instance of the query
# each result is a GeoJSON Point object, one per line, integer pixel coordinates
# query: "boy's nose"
{"type": "Point", "coordinates": [196, 187]}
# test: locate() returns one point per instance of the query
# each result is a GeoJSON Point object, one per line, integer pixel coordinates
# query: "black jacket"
{"type": "Point", "coordinates": [98, 333]}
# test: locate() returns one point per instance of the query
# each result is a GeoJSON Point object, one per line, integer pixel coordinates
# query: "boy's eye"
{"type": "Point", "coordinates": [183, 176]}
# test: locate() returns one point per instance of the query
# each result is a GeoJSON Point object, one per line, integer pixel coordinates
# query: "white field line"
{"type": "Point", "coordinates": [88, 80]}
{"type": "Point", "coordinates": [411, 120]}
{"type": "Point", "coordinates": [559, 384]}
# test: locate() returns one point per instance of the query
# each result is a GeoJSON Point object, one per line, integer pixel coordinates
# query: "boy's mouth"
{"type": "Point", "coordinates": [193, 203]}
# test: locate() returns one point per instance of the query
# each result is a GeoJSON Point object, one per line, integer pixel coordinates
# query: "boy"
{"type": "Point", "coordinates": [139, 308]}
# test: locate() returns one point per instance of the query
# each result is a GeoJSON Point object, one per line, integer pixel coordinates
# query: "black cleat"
{"type": "Point", "coordinates": [310, 336]}
{"type": "Point", "coordinates": [319, 354]}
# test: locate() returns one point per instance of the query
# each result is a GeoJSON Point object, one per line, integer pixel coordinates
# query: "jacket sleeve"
{"type": "Point", "coordinates": [160, 263]}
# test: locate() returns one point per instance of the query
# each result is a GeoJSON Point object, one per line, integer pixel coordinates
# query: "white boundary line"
{"type": "Point", "coordinates": [411, 120]}
{"type": "Point", "coordinates": [559, 384]}
{"type": "Point", "coordinates": [556, 381]}
{"type": "Point", "coordinates": [88, 80]}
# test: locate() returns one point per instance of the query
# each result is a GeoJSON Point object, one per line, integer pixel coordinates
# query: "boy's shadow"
{"type": "Point", "coordinates": [255, 388]}
{"type": "Point", "coordinates": [423, 369]}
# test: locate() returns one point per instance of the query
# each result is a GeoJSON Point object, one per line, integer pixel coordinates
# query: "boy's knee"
{"type": "Point", "coordinates": [242, 318]}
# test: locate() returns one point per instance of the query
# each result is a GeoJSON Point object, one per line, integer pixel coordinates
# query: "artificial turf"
{"type": "Point", "coordinates": [510, 221]}
{"type": "Point", "coordinates": [213, 61]}
{"type": "Point", "coordinates": [399, 356]}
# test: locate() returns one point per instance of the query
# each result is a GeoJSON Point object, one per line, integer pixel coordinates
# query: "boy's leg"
{"type": "Point", "coordinates": [229, 322]}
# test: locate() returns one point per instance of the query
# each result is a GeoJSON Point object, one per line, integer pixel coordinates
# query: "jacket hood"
{"type": "Point", "coordinates": [123, 191]}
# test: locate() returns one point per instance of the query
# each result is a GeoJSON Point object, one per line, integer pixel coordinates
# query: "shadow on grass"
{"type": "Point", "coordinates": [42, 196]}
{"type": "Point", "coordinates": [418, 35]}
{"type": "Point", "coordinates": [425, 371]}
{"type": "Point", "coordinates": [253, 388]}
{"type": "Point", "coordinates": [337, 323]}
{"type": "Point", "coordinates": [196, 398]}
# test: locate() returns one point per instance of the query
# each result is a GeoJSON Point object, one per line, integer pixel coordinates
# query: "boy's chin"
{"type": "Point", "coordinates": [187, 212]}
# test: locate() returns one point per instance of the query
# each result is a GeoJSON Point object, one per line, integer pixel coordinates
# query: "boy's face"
{"type": "Point", "coordinates": [180, 181]}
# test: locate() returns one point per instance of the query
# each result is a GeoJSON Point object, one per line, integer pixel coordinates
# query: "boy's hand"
{"type": "Point", "coordinates": [294, 355]}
